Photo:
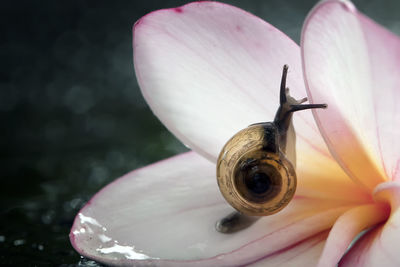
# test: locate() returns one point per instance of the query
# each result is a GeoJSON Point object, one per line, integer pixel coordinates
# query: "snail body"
{"type": "Point", "coordinates": [255, 169]}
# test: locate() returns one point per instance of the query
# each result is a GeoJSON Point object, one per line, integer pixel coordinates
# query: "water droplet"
{"type": "Point", "coordinates": [19, 242]}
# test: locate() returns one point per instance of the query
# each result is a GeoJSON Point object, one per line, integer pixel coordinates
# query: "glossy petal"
{"type": "Point", "coordinates": [209, 69]}
{"type": "Point", "coordinates": [380, 246]}
{"type": "Point", "coordinates": [165, 214]}
{"type": "Point", "coordinates": [345, 66]}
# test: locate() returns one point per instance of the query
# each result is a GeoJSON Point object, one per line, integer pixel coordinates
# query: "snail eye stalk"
{"type": "Point", "coordinates": [253, 172]}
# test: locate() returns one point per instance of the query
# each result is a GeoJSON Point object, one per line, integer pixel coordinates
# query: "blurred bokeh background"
{"type": "Point", "coordinates": [72, 115]}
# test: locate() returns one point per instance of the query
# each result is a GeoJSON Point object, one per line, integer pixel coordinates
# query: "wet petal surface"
{"type": "Point", "coordinates": [166, 213]}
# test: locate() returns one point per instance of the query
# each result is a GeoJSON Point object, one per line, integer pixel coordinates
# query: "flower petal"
{"type": "Point", "coordinates": [209, 69]}
{"type": "Point", "coordinates": [347, 227]}
{"type": "Point", "coordinates": [384, 51]}
{"type": "Point", "coordinates": [380, 246]}
{"type": "Point", "coordinates": [305, 253]}
{"type": "Point", "coordinates": [352, 64]}
{"type": "Point", "coordinates": [165, 214]}
{"type": "Point", "coordinates": [319, 176]}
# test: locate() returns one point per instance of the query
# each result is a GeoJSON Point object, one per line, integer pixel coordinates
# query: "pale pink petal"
{"type": "Point", "coordinates": [384, 52]}
{"type": "Point", "coordinates": [358, 255]}
{"type": "Point", "coordinates": [165, 214]}
{"type": "Point", "coordinates": [380, 246]}
{"type": "Point", "coordinates": [304, 253]}
{"type": "Point", "coordinates": [347, 227]}
{"type": "Point", "coordinates": [209, 69]}
{"type": "Point", "coordinates": [353, 65]}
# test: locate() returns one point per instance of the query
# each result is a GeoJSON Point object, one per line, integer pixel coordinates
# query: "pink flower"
{"type": "Point", "coordinates": [208, 70]}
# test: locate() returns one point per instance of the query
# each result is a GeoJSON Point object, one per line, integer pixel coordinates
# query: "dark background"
{"type": "Point", "coordinates": [73, 118]}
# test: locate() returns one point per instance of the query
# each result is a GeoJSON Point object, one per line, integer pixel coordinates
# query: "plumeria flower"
{"type": "Point", "coordinates": [208, 70]}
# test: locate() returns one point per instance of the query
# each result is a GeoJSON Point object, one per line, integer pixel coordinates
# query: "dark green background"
{"type": "Point", "coordinates": [73, 118]}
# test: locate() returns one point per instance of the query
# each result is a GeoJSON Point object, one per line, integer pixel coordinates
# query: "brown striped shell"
{"type": "Point", "coordinates": [253, 174]}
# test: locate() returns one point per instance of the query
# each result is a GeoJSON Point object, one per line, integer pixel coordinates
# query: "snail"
{"type": "Point", "coordinates": [254, 170]}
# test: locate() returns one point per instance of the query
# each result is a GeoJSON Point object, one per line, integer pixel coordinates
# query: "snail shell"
{"type": "Point", "coordinates": [253, 174]}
